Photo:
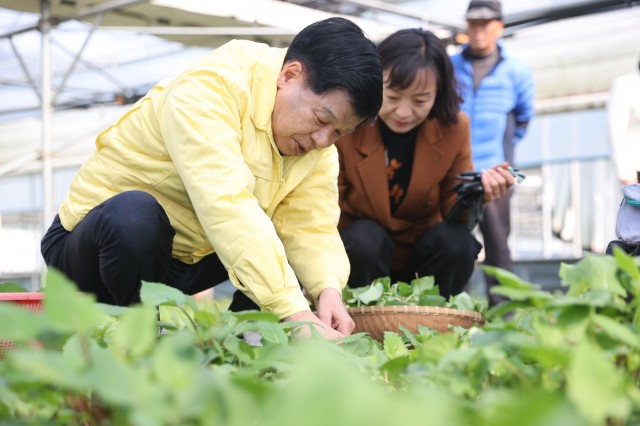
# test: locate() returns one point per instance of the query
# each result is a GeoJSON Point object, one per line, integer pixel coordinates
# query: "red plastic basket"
{"type": "Point", "coordinates": [31, 301]}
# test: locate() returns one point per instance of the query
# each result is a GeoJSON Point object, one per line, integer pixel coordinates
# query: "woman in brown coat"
{"type": "Point", "coordinates": [397, 176]}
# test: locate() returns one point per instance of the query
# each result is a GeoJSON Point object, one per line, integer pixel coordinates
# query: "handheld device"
{"type": "Point", "coordinates": [516, 174]}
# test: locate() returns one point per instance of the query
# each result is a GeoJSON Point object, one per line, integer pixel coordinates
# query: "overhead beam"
{"type": "Point", "coordinates": [102, 8]}
{"type": "Point", "coordinates": [83, 13]}
{"type": "Point", "coordinates": [221, 31]}
{"type": "Point", "coordinates": [540, 16]}
{"type": "Point", "coordinates": [401, 11]}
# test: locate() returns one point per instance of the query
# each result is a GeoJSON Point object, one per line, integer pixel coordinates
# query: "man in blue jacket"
{"type": "Point", "coordinates": [498, 94]}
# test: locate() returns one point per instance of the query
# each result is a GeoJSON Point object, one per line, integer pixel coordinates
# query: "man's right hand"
{"type": "Point", "coordinates": [322, 328]}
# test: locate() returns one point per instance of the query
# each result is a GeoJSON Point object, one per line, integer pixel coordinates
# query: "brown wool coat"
{"type": "Point", "coordinates": [441, 152]}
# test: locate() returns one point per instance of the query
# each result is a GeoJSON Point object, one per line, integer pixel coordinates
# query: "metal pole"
{"type": "Point", "coordinates": [47, 169]}
{"type": "Point", "coordinates": [576, 205]}
{"type": "Point", "coordinates": [547, 194]}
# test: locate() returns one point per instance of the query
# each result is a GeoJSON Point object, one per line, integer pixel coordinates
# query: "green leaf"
{"type": "Point", "coordinates": [626, 263]}
{"type": "Point", "coordinates": [19, 324]}
{"type": "Point", "coordinates": [11, 287]}
{"type": "Point", "coordinates": [357, 344]}
{"type": "Point", "coordinates": [629, 274]}
{"type": "Point", "coordinates": [391, 301]}
{"type": "Point", "coordinates": [572, 301]}
{"type": "Point", "coordinates": [590, 273]}
{"type": "Point", "coordinates": [595, 386]}
{"type": "Point", "coordinates": [423, 330]}
{"type": "Point", "coordinates": [521, 294]}
{"type": "Point", "coordinates": [256, 316]}
{"type": "Point", "coordinates": [386, 283]}
{"type": "Point", "coordinates": [507, 278]}
{"type": "Point", "coordinates": [404, 289]}
{"type": "Point", "coordinates": [241, 349]}
{"type": "Point", "coordinates": [550, 335]}
{"type": "Point", "coordinates": [68, 310]}
{"type": "Point", "coordinates": [503, 308]}
{"type": "Point", "coordinates": [395, 366]}
{"type": "Point", "coordinates": [617, 331]}
{"type": "Point", "coordinates": [431, 300]}
{"type": "Point", "coordinates": [272, 332]}
{"type": "Point", "coordinates": [460, 357]}
{"type": "Point", "coordinates": [50, 367]}
{"type": "Point", "coordinates": [175, 360]}
{"type": "Point", "coordinates": [112, 310]}
{"type": "Point", "coordinates": [423, 283]}
{"type": "Point", "coordinates": [574, 317]}
{"type": "Point", "coordinates": [463, 302]}
{"type": "Point", "coordinates": [155, 294]}
{"type": "Point", "coordinates": [75, 351]}
{"type": "Point", "coordinates": [117, 382]}
{"type": "Point", "coordinates": [371, 294]}
{"type": "Point", "coordinates": [136, 331]}
{"type": "Point", "coordinates": [548, 357]}
{"type": "Point", "coordinates": [394, 346]}
{"type": "Point", "coordinates": [205, 318]}
{"type": "Point", "coordinates": [409, 337]}
{"type": "Point", "coordinates": [437, 346]}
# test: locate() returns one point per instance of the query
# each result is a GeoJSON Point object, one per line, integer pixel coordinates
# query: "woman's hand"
{"type": "Point", "coordinates": [496, 182]}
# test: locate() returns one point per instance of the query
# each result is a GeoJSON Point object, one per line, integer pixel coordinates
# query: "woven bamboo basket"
{"type": "Point", "coordinates": [375, 320]}
{"type": "Point", "coordinates": [31, 301]}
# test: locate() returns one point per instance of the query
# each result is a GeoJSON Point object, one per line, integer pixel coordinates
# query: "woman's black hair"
{"type": "Point", "coordinates": [406, 53]}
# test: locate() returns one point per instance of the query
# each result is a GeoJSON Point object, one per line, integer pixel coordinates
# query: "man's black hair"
{"type": "Point", "coordinates": [337, 55]}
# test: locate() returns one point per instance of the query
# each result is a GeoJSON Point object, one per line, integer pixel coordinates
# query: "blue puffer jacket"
{"type": "Point", "coordinates": [500, 108]}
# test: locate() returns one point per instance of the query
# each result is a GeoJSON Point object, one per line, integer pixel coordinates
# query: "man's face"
{"type": "Point", "coordinates": [302, 120]}
{"type": "Point", "coordinates": [484, 35]}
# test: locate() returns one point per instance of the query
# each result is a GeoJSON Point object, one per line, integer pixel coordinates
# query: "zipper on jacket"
{"type": "Point", "coordinates": [279, 157]}
{"type": "Point", "coordinates": [281, 169]}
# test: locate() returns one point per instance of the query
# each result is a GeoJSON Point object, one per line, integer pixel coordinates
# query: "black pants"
{"type": "Point", "coordinates": [121, 242]}
{"type": "Point", "coordinates": [448, 252]}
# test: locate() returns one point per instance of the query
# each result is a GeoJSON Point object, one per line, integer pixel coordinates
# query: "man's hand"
{"type": "Point", "coordinates": [332, 312]}
{"type": "Point", "coordinates": [332, 320]}
{"type": "Point", "coordinates": [496, 182]}
{"type": "Point", "coordinates": [325, 330]}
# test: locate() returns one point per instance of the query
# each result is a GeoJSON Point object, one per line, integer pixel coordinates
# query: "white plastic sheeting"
{"type": "Point", "coordinates": [19, 252]}
{"type": "Point", "coordinates": [580, 56]}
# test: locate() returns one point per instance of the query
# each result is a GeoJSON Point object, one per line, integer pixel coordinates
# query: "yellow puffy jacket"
{"type": "Point", "coordinates": [202, 145]}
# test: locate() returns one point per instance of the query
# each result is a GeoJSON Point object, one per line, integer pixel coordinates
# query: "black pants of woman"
{"type": "Point", "coordinates": [123, 241]}
{"type": "Point", "coordinates": [446, 251]}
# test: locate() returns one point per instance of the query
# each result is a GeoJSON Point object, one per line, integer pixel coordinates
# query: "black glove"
{"type": "Point", "coordinates": [470, 200]}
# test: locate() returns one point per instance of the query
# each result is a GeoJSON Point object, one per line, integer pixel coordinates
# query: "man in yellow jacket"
{"type": "Point", "coordinates": [227, 171]}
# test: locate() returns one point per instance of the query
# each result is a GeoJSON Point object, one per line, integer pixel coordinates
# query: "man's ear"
{"type": "Point", "coordinates": [290, 70]}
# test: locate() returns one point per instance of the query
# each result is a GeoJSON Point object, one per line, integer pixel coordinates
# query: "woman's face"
{"type": "Point", "coordinates": [403, 110]}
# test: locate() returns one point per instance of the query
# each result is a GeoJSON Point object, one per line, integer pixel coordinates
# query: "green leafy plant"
{"type": "Point", "coordinates": [420, 291]}
{"type": "Point", "coordinates": [11, 287]}
{"type": "Point", "coordinates": [570, 358]}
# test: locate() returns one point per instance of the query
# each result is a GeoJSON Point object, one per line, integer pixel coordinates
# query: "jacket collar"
{"type": "Point", "coordinates": [373, 172]}
{"type": "Point", "coordinates": [466, 53]}
{"type": "Point", "coordinates": [265, 86]}
{"type": "Point", "coordinates": [370, 141]}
